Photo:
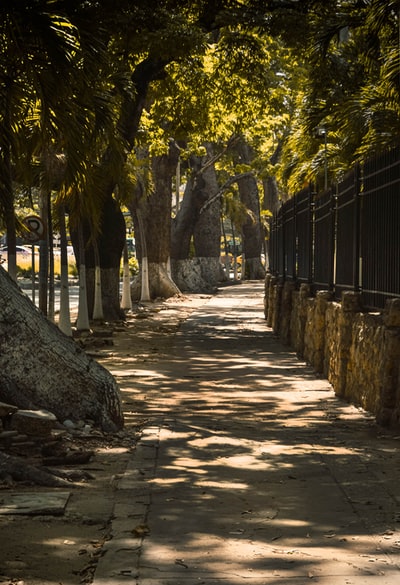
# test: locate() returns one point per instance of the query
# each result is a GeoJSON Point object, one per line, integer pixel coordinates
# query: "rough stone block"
{"type": "Point", "coordinates": [391, 316]}
{"type": "Point", "coordinates": [34, 422]}
{"type": "Point", "coordinates": [351, 302]}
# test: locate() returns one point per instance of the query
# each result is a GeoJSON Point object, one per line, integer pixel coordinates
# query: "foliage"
{"type": "Point", "coordinates": [271, 72]}
{"type": "Point", "coordinates": [350, 88]}
{"type": "Point", "coordinates": [133, 266]}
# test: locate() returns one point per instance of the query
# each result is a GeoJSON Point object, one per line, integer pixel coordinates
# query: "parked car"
{"type": "Point", "coordinates": [19, 249]}
{"type": "Point", "coordinates": [24, 257]}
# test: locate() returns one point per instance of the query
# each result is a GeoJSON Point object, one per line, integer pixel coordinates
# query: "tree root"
{"type": "Point", "coordinates": [19, 470]}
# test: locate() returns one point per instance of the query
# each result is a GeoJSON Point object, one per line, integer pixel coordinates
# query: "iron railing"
{"type": "Point", "coordinates": [346, 238]}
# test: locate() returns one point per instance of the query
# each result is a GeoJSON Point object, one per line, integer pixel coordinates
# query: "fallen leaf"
{"type": "Point", "coordinates": [141, 530]}
{"type": "Point", "coordinates": [329, 535]}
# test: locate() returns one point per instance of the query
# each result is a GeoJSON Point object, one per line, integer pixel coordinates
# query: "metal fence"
{"type": "Point", "coordinates": [346, 238]}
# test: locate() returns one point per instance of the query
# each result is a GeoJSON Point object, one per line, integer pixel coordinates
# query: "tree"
{"type": "Point", "coordinates": [33, 352]}
{"type": "Point", "coordinates": [168, 36]}
{"type": "Point", "coordinates": [251, 228]}
{"type": "Point", "coordinates": [137, 44]}
{"type": "Point", "coordinates": [36, 46]}
{"type": "Point", "coordinates": [154, 226]}
{"type": "Point", "coordinates": [191, 226]}
{"type": "Point", "coordinates": [350, 88]}
{"type": "Point", "coordinates": [219, 100]}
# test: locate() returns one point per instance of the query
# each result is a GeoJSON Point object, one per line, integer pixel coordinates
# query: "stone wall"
{"type": "Point", "coordinates": [358, 352]}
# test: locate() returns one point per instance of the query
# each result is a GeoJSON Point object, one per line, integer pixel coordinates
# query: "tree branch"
{"type": "Point", "coordinates": [231, 142]}
{"type": "Point", "coordinates": [224, 188]}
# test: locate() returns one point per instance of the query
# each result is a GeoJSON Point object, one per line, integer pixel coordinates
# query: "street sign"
{"type": "Point", "coordinates": [35, 228]}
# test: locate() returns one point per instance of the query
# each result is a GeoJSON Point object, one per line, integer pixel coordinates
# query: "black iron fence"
{"type": "Point", "coordinates": [346, 238]}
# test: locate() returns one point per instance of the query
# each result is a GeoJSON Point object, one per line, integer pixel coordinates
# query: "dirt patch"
{"type": "Point", "coordinates": [40, 549]}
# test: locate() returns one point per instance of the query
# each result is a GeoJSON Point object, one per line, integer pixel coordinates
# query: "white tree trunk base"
{"type": "Point", "coordinates": [197, 275]}
{"type": "Point", "coordinates": [254, 270]}
{"type": "Point", "coordinates": [160, 284]}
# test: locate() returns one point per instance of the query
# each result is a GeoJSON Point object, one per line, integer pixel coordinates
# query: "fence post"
{"type": "Point", "coordinates": [311, 206]}
{"type": "Point", "coordinates": [357, 228]}
{"type": "Point", "coordinates": [295, 241]}
{"type": "Point", "coordinates": [332, 251]}
{"type": "Point", "coordinates": [281, 252]}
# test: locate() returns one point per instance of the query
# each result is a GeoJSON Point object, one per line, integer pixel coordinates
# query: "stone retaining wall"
{"type": "Point", "coordinates": [358, 352]}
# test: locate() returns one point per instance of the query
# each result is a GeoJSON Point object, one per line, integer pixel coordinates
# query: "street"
{"type": "Point", "coordinates": [26, 286]}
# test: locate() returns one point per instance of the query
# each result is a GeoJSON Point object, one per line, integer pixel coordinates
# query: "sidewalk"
{"type": "Point", "coordinates": [249, 469]}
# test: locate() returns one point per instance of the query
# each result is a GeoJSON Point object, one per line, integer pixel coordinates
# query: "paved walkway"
{"type": "Point", "coordinates": [250, 470]}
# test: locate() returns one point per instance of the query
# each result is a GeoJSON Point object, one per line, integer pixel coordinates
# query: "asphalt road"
{"type": "Point", "coordinates": [73, 294]}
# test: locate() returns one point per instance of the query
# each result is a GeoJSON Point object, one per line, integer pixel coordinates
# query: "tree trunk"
{"type": "Point", "coordinates": [110, 242]}
{"type": "Point", "coordinates": [155, 210]}
{"type": "Point", "coordinates": [82, 322]}
{"type": "Point", "coordinates": [126, 300]}
{"type": "Point", "coordinates": [112, 229]}
{"type": "Point", "coordinates": [207, 231]}
{"type": "Point", "coordinates": [44, 199]}
{"type": "Point", "coordinates": [7, 193]}
{"type": "Point", "coordinates": [98, 313]}
{"type": "Point", "coordinates": [183, 223]}
{"type": "Point", "coordinates": [46, 369]}
{"type": "Point", "coordinates": [270, 200]}
{"type": "Point", "coordinates": [202, 273]}
{"type": "Point", "coordinates": [271, 194]}
{"type": "Point", "coordinates": [251, 229]}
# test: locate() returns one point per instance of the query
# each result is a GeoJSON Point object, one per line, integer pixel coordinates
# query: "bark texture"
{"type": "Point", "coordinates": [155, 225]}
{"type": "Point", "coordinates": [43, 368]}
{"type": "Point", "coordinates": [251, 228]}
{"type": "Point", "coordinates": [201, 273]}
{"type": "Point", "coordinates": [110, 244]}
{"type": "Point", "coordinates": [160, 283]}
{"type": "Point", "coordinates": [271, 196]}
{"type": "Point", "coordinates": [197, 274]}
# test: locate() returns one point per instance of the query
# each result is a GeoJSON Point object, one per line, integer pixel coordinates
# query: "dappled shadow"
{"type": "Point", "coordinates": [261, 473]}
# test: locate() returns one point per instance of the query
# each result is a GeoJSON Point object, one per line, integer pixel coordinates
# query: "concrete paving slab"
{"type": "Point", "coordinates": [33, 503]}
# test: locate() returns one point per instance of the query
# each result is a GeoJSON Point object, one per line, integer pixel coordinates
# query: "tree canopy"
{"type": "Point", "coordinates": [89, 81]}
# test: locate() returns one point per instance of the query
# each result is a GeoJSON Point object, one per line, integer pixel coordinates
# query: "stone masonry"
{"type": "Point", "coordinates": [358, 352]}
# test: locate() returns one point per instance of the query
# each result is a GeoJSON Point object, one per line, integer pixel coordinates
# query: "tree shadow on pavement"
{"type": "Point", "coordinates": [260, 472]}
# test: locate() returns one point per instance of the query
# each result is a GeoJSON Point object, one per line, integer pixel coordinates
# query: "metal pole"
{"type": "Point", "coordinates": [326, 161]}
{"type": "Point", "coordinates": [33, 274]}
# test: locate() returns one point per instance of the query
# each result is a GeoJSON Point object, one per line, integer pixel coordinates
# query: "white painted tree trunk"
{"type": "Point", "coordinates": [145, 290]}
{"type": "Point", "coordinates": [126, 299]}
{"type": "Point", "coordinates": [98, 314]}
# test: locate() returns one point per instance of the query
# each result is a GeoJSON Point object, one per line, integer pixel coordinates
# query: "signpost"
{"type": "Point", "coordinates": [35, 231]}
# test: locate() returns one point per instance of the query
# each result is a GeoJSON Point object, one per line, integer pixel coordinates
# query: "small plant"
{"type": "Point", "coordinates": [133, 266]}
{"type": "Point", "coordinates": [24, 272]}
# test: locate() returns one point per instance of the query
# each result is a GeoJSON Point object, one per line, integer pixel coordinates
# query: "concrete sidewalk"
{"type": "Point", "coordinates": [249, 469]}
